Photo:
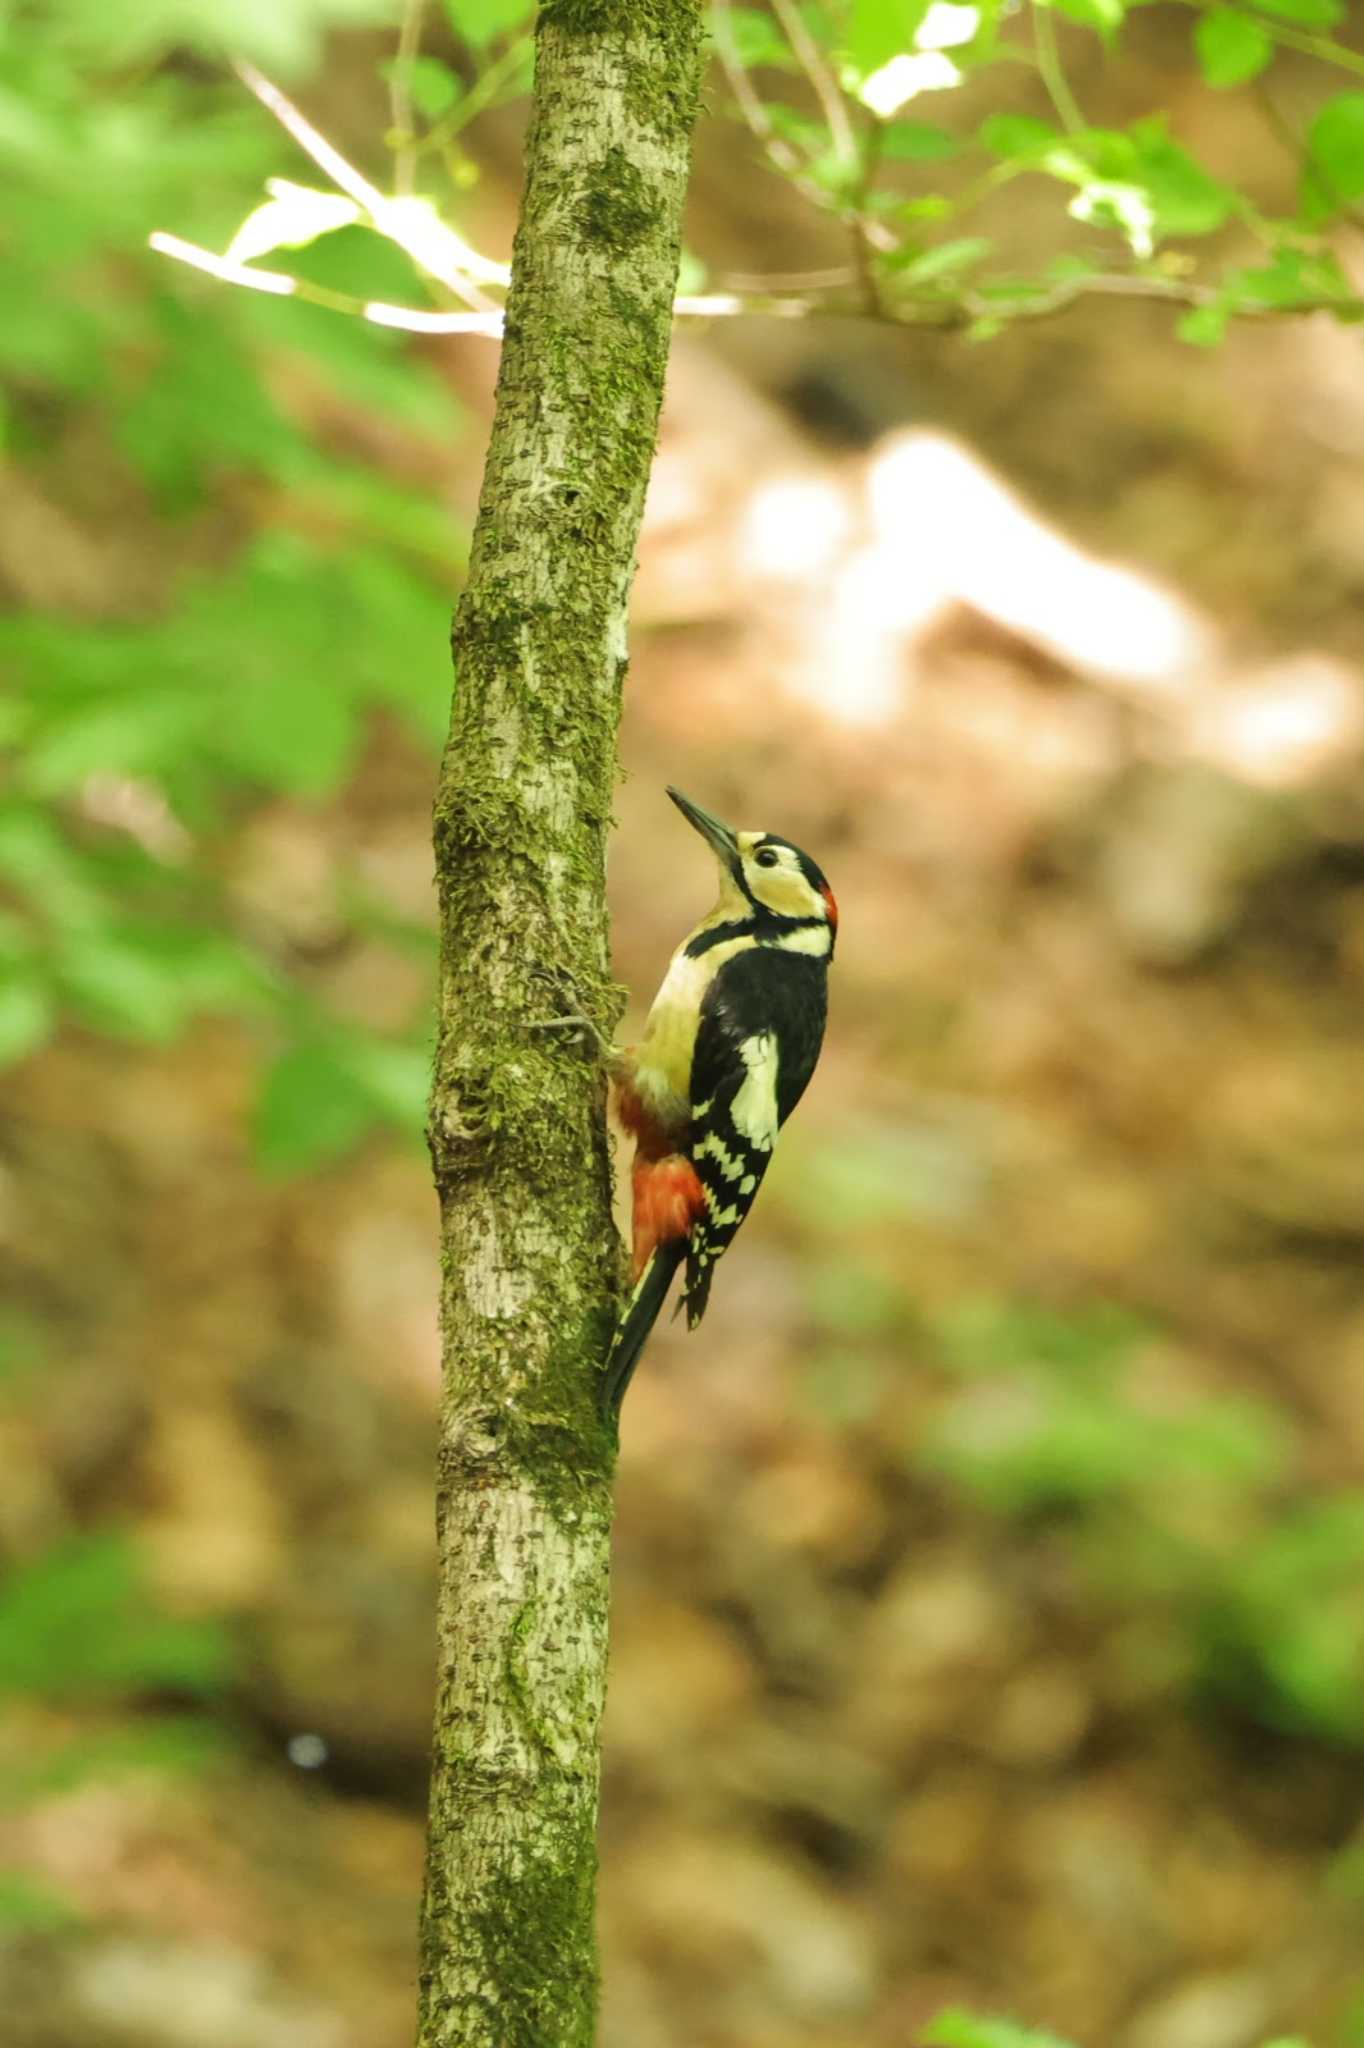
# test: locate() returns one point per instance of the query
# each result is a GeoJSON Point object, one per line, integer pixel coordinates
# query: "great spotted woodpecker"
{"type": "Point", "coordinates": [730, 1044]}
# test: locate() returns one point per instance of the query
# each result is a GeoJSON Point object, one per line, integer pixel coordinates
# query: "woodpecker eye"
{"type": "Point", "coordinates": [767, 857]}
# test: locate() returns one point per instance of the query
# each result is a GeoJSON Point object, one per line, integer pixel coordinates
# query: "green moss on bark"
{"type": "Point", "coordinates": [619, 209]}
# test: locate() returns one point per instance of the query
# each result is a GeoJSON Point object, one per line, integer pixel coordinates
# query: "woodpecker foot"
{"type": "Point", "coordinates": [579, 1027]}
{"type": "Point", "coordinates": [575, 1022]}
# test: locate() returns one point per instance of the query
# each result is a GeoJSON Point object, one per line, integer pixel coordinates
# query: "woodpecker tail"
{"type": "Point", "coordinates": [641, 1313]}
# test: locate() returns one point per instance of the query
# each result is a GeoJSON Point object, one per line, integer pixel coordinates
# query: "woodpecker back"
{"type": "Point", "coordinates": [728, 1049]}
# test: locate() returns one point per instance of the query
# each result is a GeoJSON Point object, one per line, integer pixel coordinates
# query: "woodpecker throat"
{"type": "Point", "coordinates": [727, 1052]}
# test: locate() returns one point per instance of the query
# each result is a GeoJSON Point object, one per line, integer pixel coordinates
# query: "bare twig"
{"type": "Point", "coordinates": [482, 94]}
{"type": "Point", "coordinates": [945, 313]}
{"type": "Point", "coordinates": [788, 280]}
{"type": "Point", "coordinates": [446, 257]}
{"type": "Point", "coordinates": [811, 60]}
{"type": "Point", "coordinates": [400, 96]}
{"type": "Point", "coordinates": [1052, 71]}
{"type": "Point", "coordinates": [755, 114]}
{"type": "Point", "coordinates": [416, 320]}
{"type": "Point", "coordinates": [863, 226]}
{"type": "Point", "coordinates": [281, 286]}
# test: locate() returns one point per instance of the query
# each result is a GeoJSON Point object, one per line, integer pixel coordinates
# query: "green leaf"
{"type": "Point", "coordinates": [27, 1015]}
{"type": "Point", "coordinates": [755, 36]}
{"type": "Point", "coordinates": [312, 1109]}
{"type": "Point", "coordinates": [282, 39]}
{"type": "Point", "coordinates": [1306, 13]}
{"type": "Point", "coordinates": [481, 22]}
{"type": "Point", "coordinates": [1297, 278]}
{"type": "Point", "coordinates": [122, 983]}
{"type": "Point", "coordinates": [395, 1077]}
{"type": "Point", "coordinates": [135, 732]}
{"type": "Point", "coordinates": [432, 86]}
{"type": "Point", "coordinates": [948, 259]}
{"type": "Point", "coordinates": [291, 218]}
{"type": "Point", "coordinates": [1141, 183]}
{"type": "Point", "coordinates": [1232, 49]}
{"type": "Point", "coordinates": [916, 142]}
{"type": "Point", "coordinates": [958, 2029]}
{"type": "Point", "coordinates": [881, 29]}
{"type": "Point", "coordinates": [292, 730]}
{"type": "Point", "coordinates": [199, 405]}
{"type": "Point", "coordinates": [1335, 143]}
{"type": "Point", "coordinates": [43, 866]}
{"type": "Point", "coordinates": [1185, 199]}
{"type": "Point", "coordinates": [1011, 135]}
{"type": "Point", "coordinates": [1106, 16]}
{"type": "Point", "coordinates": [1117, 204]}
{"type": "Point", "coordinates": [1204, 326]}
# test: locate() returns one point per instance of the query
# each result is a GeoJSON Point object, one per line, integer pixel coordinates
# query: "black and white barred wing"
{"type": "Point", "coordinates": [759, 1036]}
{"type": "Point", "coordinates": [734, 1128]}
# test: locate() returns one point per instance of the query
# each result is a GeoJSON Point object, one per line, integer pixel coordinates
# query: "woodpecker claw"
{"type": "Point", "coordinates": [580, 1027]}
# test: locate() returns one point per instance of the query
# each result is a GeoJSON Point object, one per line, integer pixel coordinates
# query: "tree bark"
{"type": "Point", "coordinates": [518, 1136]}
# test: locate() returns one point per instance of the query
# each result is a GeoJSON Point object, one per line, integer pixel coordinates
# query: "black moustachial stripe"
{"type": "Point", "coordinates": [763, 925]}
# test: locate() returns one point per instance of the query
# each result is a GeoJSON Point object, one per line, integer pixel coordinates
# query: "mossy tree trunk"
{"type": "Point", "coordinates": [517, 1131]}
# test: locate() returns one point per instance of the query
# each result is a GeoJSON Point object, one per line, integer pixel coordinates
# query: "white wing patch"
{"type": "Point", "coordinates": [754, 1109]}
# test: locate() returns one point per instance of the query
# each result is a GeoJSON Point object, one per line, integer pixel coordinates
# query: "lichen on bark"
{"type": "Point", "coordinates": [530, 1261]}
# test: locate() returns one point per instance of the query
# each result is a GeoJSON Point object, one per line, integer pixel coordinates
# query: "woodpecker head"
{"type": "Point", "coordinates": [763, 878]}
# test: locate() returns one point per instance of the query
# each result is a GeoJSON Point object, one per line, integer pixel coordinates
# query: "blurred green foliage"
{"type": "Point", "coordinates": [218, 692]}
{"type": "Point", "coordinates": [1182, 1510]}
{"type": "Point", "coordinates": [326, 603]}
{"type": "Point", "coordinates": [79, 1623]}
{"type": "Point", "coordinates": [1136, 193]}
{"type": "Point", "coordinates": [957, 2029]}
{"type": "Point", "coordinates": [969, 2030]}
{"type": "Point", "coordinates": [81, 1629]}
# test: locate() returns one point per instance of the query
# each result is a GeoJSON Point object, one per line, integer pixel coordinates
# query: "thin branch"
{"type": "Point", "coordinates": [444, 256]}
{"type": "Point", "coordinates": [755, 114]}
{"type": "Point", "coordinates": [1052, 70]}
{"type": "Point", "coordinates": [825, 86]}
{"type": "Point", "coordinates": [483, 93]}
{"type": "Point", "coordinates": [400, 97]}
{"type": "Point", "coordinates": [863, 238]}
{"type": "Point", "coordinates": [278, 284]}
{"type": "Point", "coordinates": [946, 313]}
{"type": "Point", "coordinates": [415, 320]}
{"type": "Point", "coordinates": [788, 280]}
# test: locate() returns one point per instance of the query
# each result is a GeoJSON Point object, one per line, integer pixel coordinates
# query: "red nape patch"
{"type": "Point", "coordinates": [827, 893]}
{"type": "Point", "coordinates": [668, 1199]}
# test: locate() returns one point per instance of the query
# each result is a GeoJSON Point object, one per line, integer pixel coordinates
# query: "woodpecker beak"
{"type": "Point", "coordinates": [716, 835]}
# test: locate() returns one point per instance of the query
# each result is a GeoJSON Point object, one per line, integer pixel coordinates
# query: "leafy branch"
{"type": "Point", "coordinates": [1157, 224]}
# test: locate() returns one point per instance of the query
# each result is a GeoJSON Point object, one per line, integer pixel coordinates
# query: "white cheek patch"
{"type": "Point", "coordinates": [754, 1109]}
{"type": "Point", "coordinates": [786, 891]}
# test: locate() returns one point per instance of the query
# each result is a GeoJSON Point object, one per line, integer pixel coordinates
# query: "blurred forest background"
{"type": "Point", "coordinates": [989, 1614]}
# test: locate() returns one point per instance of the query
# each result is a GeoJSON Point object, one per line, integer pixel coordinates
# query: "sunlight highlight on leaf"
{"type": "Point", "coordinates": [291, 218]}
{"type": "Point", "coordinates": [947, 25]}
{"type": "Point", "coordinates": [904, 78]}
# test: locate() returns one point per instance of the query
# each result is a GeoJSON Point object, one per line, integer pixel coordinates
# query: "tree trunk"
{"type": "Point", "coordinates": [518, 1136]}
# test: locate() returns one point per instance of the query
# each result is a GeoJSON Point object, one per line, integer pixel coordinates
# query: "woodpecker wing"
{"type": "Point", "coordinates": [757, 1041]}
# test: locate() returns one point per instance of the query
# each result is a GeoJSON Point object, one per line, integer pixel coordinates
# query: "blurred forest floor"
{"type": "Point", "coordinates": [988, 1616]}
